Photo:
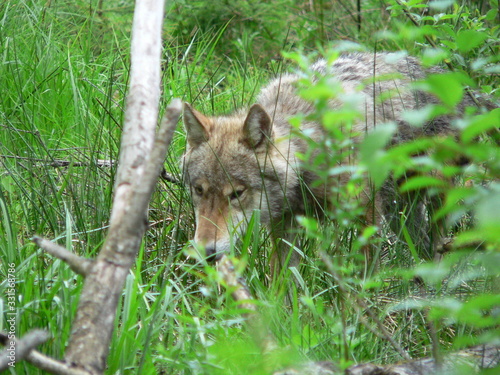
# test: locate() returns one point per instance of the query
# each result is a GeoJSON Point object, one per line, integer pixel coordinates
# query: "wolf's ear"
{"type": "Point", "coordinates": [197, 126]}
{"type": "Point", "coordinates": [257, 129]}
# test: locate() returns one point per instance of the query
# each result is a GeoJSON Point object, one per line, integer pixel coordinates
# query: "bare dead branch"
{"type": "Point", "coordinates": [56, 163]}
{"type": "Point", "coordinates": [78, 264]}
{"type": "Point", "coordinates": [18, 349]}
{"type": "Point", "coordinates": [53, 366]}
{"type": "Point", "coordinates": [142, 102]}
{"type": "Point", "coordinates": [162, 142]}
{"type": "Point", "coordinates": [141, 159]}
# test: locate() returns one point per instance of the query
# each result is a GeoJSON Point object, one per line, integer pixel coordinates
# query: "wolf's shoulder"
{"type": "Point", "coordinates": [361, 65]}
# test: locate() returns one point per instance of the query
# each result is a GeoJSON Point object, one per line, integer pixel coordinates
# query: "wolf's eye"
{"type": "Point", "coordinates": [198, 190]}
{"type": "Point", "coordinates": [236, 194]}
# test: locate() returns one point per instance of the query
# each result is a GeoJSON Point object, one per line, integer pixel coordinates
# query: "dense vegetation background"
{"type": "Point", "coordinates": [63, 80]}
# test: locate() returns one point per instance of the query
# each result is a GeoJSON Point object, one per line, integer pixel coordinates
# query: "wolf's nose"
{"type": "Point", "coordinates": [212, 254]}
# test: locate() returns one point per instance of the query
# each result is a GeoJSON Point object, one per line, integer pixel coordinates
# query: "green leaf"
{"type": "Point", "coordinates": [415, 4]}
{"type": "Point", "coordinates": [448, 30]}
{"type": "Point", "coordinates": [487, 212]}
{"type": "Point", "coordinates": [467, 40]}
{"type": "Point", "coordinates": [441, 4]}
{"type": "Point", "coordinates": [447, 87]}
{"type": "Point", "coordinates": [432, 56]}
{"type": "Point", "coordinates": [373, 153]}
{"type": "Point", "coordinates": [377, 139]}
{"type": "Point", "coordinates": [491, 15]}
{"type": "Point", "coordinates": [453, 198]}
{"type": "Point", "coordinates": [473, 311]}
{"type": "Point", "coordinates": [433, 273]}
{"type": "Point", "coordinates": [421, 182]}
{"type": "Point", "coordinates": [481, 124]}
{"type": "Point", "coordinates": [422, 116]}
{"type": "Point", "coordinates": [320, 91]}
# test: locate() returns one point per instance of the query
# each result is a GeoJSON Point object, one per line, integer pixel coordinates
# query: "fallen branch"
{"type": "Point", "coordinates": [60, 163]}
{"type": "Point", "coordinates": [467, 361]}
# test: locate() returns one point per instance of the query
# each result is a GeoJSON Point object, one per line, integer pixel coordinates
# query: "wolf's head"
{"type": "Point", "coordinates": [232, 167]}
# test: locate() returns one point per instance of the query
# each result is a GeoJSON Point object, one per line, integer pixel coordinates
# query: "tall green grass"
{"type": "Point", "coordinates": [63, 81]}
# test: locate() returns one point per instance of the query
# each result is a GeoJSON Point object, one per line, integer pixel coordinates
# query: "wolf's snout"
{"type": "Point", "coordinates": [211, 240]}
{"type": "Point", "coordinates": [212, 254]}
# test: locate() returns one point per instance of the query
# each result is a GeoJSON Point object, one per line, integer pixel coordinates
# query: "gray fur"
{"type": "Point", "coordinates": [231, 171]}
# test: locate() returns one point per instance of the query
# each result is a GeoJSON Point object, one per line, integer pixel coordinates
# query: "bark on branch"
{"type": "Point", "coordinates": [51, 365]}
{"type": "Point", "coordinates": [139, 166]}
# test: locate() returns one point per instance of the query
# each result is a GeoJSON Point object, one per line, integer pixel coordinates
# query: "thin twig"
{"type": "Point", "coordinates": [17, 350]}
{"type": "Point", "coordinates": [79, 265]}
{"type": "Point", "coordinates": [62, 163]}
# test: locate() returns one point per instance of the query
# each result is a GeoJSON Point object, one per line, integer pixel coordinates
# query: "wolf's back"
{"type": "Point", "coordinates": [383, 80]}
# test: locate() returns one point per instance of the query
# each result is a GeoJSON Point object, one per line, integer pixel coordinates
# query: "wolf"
{"type": "Point", "coordinates": [245, 161]}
